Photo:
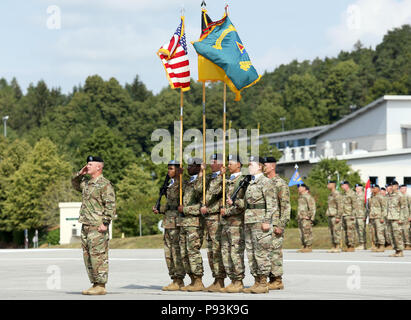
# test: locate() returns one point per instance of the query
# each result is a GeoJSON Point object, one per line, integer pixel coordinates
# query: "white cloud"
{"type": "Point", "coordinates": [368, 21]}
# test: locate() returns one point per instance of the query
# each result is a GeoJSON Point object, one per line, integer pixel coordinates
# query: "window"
{"type": "Point", "coordinates": [374, 180]}
{"type": "Point", "coordinates": [407, 181]}
{"type": "Point", "coordinates": [388, 180]}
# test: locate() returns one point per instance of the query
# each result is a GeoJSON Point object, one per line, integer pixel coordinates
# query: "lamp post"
{"type": "Point", "coordinates": [5, 125]}
{"type": "Point", "coordinates": [282, 119]}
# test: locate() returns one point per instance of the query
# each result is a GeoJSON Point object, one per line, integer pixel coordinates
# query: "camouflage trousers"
{"type": "Point", "coordinates": [306, 231]}
{"type": "Point", "coordinates": [277, 255]}
{"type": "Point", "coordinates": [95, 253]}
{"type": "Point", "coordinates": [335, 230]}
{"type": "Point", "coordinates": [396, 232]}
{"type": "Point", "coordinates": [191, 239]}
{"type": "Point", "coordinates": [378, 229]}
{"type": "Point", "coordinates": [388, 235]}
{"type": "Point", "coordinates": [259, 246]}
{"type": "Point", "coordinates": [172, 253]}
{"type": "Point", "coordinates": [361, 230]}
{"type": "Point", "coordinates": [349, 230]}
{"type": "Point", "coordinates": [215, 259]}
{"type": "Point", "coordinates": [372, 233]}
{"type": "Point", "coordinates": [406, 233]}
{"type": "Point", "coordinates": [232, 249]}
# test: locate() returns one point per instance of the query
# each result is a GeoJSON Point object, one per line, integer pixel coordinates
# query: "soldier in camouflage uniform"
{"type": "Point", "coordinates": [211, 213]}
{"type": "Point", "coordinates": [387, 234]}
{"type": "Point", "coordinates": [172, 230]}
{"type": "Point", "coordinates": [260, 215]}
{"type": "Point", "coordinates": [334, 213]}
{"type": "Point", "coordinates": [378, 212]}
{"type": "Point", "coordinates": [192, 228]}
{"type": "Point", "coordinates": [395, 214]}
{"type": "Point", "coordinates": [232, 235]}
{"type": "Point", "coordinates": [280, 220]}
{"type": "Point", "coordinates": [407, 218]}
{"type": "Point", "coordinates": [97, 211]}
{"type": "Point", "coordinates": [360, 217]}
{"type": "Point", "coordinates": [306, 216]}
{"type": "Point", "coordinates": [349, 199]}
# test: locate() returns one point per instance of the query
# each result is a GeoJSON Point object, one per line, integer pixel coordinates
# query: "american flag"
{"type": "Point", "coordinates": [174, 57]}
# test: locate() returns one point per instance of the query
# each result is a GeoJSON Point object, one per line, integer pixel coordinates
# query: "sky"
{"type": "Point", "coordinates": [64, 41]}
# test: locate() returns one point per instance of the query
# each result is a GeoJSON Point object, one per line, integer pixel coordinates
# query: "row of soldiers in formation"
{"type": "Point", "coordinates": [388, 213]}
{"type": "Point", "coordinates": [254, 222]}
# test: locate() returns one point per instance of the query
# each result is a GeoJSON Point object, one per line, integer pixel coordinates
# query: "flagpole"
{"type": "Point", "coordinates": [204, 144]}
{"type": "Point", "coordinates": [224, 134]}
{"type": "Point", "coordinates": [181, 145]}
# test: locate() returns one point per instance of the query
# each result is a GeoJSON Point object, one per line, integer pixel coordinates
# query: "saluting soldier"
{"type": "Point", "coordinates": [211, 213]}
{"type": "Point", "coordinates": [191, 228]}
{"type": "Point", "coordinates": [306, 216]}
{"type": "Point", "coordinates": [378, 212]}
{"type": "Point", "coordinates": [395, 215]}
{"type": "Point", "coordinates": [349, 199]}
{"type": "Point", "coordinates": [260, 216]}
{"type": "Point", "coordinates": [388, 237]}
{"type": "Point", "coordinates": [97, 210]}
{"type": "Point", "coordinates": [232, 235]}
{"type": "Point", "coordinates": [172, 230]}
{"type": "Point", "coordinates": [360, 217]}
{"type": "Point", "coordinates": [407, 218]}
{"type": "Point", "coordinates": [334, 214]}
{"type": "Point", "coordinates": [280, 221]}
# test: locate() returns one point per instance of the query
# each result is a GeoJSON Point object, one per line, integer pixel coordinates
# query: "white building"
{"type": "Point", "coordinates": [375, 140]}
{"type": "Point", "coordinates": [70, 228]}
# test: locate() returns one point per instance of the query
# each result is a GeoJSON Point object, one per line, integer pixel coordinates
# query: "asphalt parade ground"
{"type": "Point", "coordinates": [59, 274]}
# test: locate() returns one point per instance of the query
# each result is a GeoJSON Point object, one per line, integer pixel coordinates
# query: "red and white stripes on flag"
{"type": "Point", "coordinates": [367, 191]}
{"type": "Point", "coordinates": [174, 57]}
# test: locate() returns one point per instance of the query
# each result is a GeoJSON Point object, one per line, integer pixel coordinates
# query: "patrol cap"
{"type": "Point", "coordinates": [194, 161]}
{"type": "Point", "coordinates": [403, 185]}
{"type": "Point", "coordinates": [94, 159]}
{"type": "Point", "coordinates": [393, 183]}
{"type": "Point", "coordinates": [331, 181]}
{"type": "Point", "coordinates": [345, 182]}
{"type": "Point", "coordinates": [174, 163]}
{"type": "Point", "coordinates": [216, 156]}
{"type": "Point", "coordinates": [269, 160]}
{"type": "Point", "coordinates": [383, 189]}
{"type": "Point", "coordinates": [234, 157]}
{"type": "Point", "coordinates": [358, 185]}
{"type": "Point", "coordinates": [376, 186]}
{"type": "Point", "coordinates": [256, 159]}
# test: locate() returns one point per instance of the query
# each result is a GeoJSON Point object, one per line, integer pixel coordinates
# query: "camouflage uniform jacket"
{"type": "Point", "coordinates": [397, 207]}
{"type": "Point", "coordinates": [406, 210]}
{"type": "Point", "coordinates": [378, 207]}
{"type": "Point", "coordinates": [170, 209]}
{"type": "Point", "coordinates": [349, 199]}
{"type": "Point", "coordinates": [99, 201]}
{"type": "Point", "coordinates": [283, 197]}
{"type": "Point", "coordinates": [306, 206]}
{"type": "Point", "coordinates": [234, 215]}
{"type": "Point", "coordinates": [261, 202]}
{"type": "Point", "coordinates": [360, 210]}
{"type": "Point", "coordinates": [191, 204]}
{"type": "Point", "coordinates": [334, 205]}
{"type": "Point", "coordinates": [214, 193]}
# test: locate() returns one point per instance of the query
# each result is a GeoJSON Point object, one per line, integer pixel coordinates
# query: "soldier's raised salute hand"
{"type": "Point", "coordinates": [265, 227]}
{"type": "Point", "coordinates": [83, 170]}
{"type": "Point", "coordinates": [203, 210]}
{"type": "Point", "coordinates": [155, 210]}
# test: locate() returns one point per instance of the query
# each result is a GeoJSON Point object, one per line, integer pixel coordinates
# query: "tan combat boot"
{"type": "Point", "coordinates": [166, 288]}
{"type": "Point", "coordinates": [301, 250]}
{"type": "Point", "coordinates": [177, 284]}
{"type": "Point", "coordinates": [224, 290]}
{"type": "Point", "coordinates": [308, 249]}
{"type": "Point", "coordinates": [255, 285]}
{"type": "Point", "coordinates": [198, 284]}
{"type": "Point", "coordinates": [398, 253]}
{"type": "Point", "coordinates": [99, 289]}
{"type": "Point", "coordinates": [189, 285]}
{"type": "Point", "coordinates": [332, 250]}
{"type": "Point", "coordinates": [380, 248]}
{"type": "Point", "coordinates": [86, 292]}
{"type": "Point", "coordinates": [408, 247]}
{"type": "Point", "coordinates": [349, 249]}
{"type": "Point", "coordinates": [262, 286]}
{"type": "Point", "coordinates": [237, 287]}
{"type": "Point", "coordinates": [212, 286]}
{"type": "Point", "coordinates": [360, 247]}
{"type": "Point", "coordinates": [388, 247]}
{"type": "Point", "coordinates": [218, 284]}
{"type": "Point", "coordinates": [276, 283]}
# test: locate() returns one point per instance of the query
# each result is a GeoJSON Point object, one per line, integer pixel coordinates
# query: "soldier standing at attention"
{"type": "Point", "coordinates": [191, 228]}
{"type": "Point", "coordinates": [387, 234]}
{"type": "Point", "coordinates": [232, 235]}
{"type": "Point", "coordinates": [378, 211]}
{"type": "Point", "coordinates": [395, 214]}
{"type": "Point", "coordinates": [260, 216]}
{"type": "Point", "coordinates": [306, 215]}
{"type": "Point", "coordinates": [211, 213]}
{"type": "Point", "coordinates": [361, 217]}
{"type": "Point", "coordinates": [280, 220]}
{"type": "Point", "coordinates": [407, 218]}
{"type": "Point", "coordinates": [334, 212]}
{"type": "Point", "coordinates": [172, 230]}
{"type": "Point", "coordinates": [97, 210]}
{"type": "Point", "coordinates": [349, 199]}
